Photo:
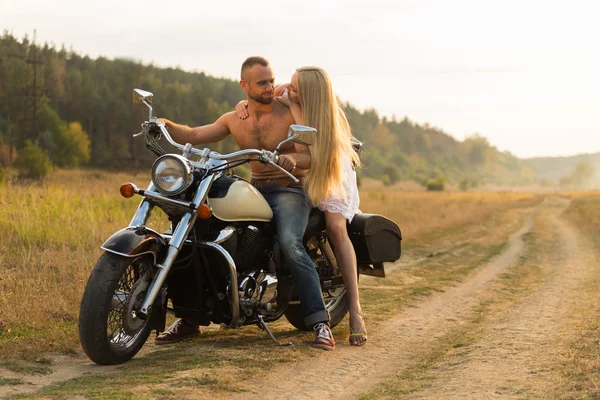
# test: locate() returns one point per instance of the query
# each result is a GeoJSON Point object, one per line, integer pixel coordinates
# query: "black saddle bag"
{"type": "Point", "coordinates": [376, 239]}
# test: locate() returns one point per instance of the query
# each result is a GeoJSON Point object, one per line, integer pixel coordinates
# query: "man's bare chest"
{"type": "Point", "coordinates": [266, 133]}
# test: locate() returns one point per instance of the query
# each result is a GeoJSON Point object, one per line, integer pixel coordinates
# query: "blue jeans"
{"type": "Point", "coordinates": [291, 208]}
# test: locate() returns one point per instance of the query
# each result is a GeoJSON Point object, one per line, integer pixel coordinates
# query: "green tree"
{"type": "Point", "coordinates": [32, 161]}
{"type": "Point", "coordinates": [73, 146]}
{"type": "Point", "coordinates": [393, 173]}
{"type": "Point", "coordinates": [97, 94]}
{"type": "Point", "coordinates": [385, 179]}
{"type": "Point", "coordinates": [437, 185]}
{"type": "Point", "coordinates": [479, 150]}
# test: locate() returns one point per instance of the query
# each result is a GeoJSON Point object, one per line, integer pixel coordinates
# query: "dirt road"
{"type": "Point", "coordinates": [500, 333]}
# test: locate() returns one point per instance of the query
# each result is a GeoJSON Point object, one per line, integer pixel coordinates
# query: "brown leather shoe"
{"type": "Point", "coordinates": [180, 330]}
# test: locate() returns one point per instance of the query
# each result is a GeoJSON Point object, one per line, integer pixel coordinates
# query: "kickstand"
{"type": "Point", "coordinates": [262, 325]}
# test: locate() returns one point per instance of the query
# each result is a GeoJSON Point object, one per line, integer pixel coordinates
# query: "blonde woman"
{"type": "Point", "coordinates": [331, 179]}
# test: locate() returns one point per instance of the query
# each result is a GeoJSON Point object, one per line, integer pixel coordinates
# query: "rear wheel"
{"type": "Point", "coordinates": [335, 303]}
{"type": "Point", "coordinates": [109, 330]}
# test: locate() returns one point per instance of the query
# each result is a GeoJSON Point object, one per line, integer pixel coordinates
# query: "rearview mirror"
{"type": "Point", "coordinates": [140, 95]}
{"type": "Point", "coordinates": [302, 135]}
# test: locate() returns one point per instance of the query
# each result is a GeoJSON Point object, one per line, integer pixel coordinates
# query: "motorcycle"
{"type": "Point", "coordinates": [219, 263]}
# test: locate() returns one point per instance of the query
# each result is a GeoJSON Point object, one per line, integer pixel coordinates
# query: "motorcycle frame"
{"type": "Point", "coordinates": [208, 159]}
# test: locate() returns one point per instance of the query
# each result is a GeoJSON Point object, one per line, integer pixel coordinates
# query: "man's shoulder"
{"type": "Point", "coordinates": [229, 117]}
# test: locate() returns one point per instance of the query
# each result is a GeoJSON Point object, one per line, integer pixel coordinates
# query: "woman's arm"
{"type": "Point", "coordinates": [293, 106]}
{"type": "Point", "coordinates": [296, 113]}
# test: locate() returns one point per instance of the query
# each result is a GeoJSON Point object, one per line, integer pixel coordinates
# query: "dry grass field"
{"type": "Point", "coordinates": [51, 236]}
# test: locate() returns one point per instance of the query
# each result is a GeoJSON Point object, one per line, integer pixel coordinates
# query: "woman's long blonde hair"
{"type": "Point", "coordinates": [321, 110]}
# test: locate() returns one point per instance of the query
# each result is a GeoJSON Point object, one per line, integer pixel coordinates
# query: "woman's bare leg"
{"type": "Point", "coordinates": [346, 259]}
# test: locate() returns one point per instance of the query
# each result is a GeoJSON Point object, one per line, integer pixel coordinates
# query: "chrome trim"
{"type": "Point", "coordinates": [267, 287]}
{"type": "Point", "coordinates": [202, 192]}
{"type": "Point", "coordinates": [216, 156]}
{"type": "Point", "coordinates": [165, 133]}
{"type": "Point", "coordinates": [206, 153]}
{"type": "Point", "coordinates": [187, 175]}
{"type": "Point", "coordinates": [225, 234]}
{"type": "Point", "coordinates": [144, 209]}
{"type": "Point", "coordinates": [181, 232]}
{"type": "Point", "coordinates": [235, 297]}
{"type": "Point", "coordinates": [159, 197]}
{"type": "Point", "coordinates": [177, 239]}
{"type": "Point", "coordinates": [130, 255]}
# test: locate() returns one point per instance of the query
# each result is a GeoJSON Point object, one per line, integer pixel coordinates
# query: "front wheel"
{"type": "Point", "coordinates": [109, 331]}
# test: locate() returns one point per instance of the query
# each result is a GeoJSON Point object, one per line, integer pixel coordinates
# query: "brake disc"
{"type": "Point", "coordinates": [131, 322]}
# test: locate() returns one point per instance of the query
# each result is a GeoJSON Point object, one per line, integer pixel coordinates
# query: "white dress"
{"type": "Point", "coordinates": [348, 206]}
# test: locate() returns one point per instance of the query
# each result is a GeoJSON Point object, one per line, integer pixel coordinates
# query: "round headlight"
{"type": "Point", "coordinates": [172, 174]}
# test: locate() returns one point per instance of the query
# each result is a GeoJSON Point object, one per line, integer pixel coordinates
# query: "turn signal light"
{"type": "Point", "coordinates": [127, 190]}
{"type": "Point", "coordinates": [204, 211]}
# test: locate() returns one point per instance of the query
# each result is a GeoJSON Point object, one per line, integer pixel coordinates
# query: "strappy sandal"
{"type": "Point", "coordinates": [358, 338]}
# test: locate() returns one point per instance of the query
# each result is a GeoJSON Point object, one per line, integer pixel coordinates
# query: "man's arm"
{"type": "Point", "coordinates": [302, 156]}
{"type": "Point", "coordinates": [210, 133]}
{"type": "Point", "coordinates": [298, 158]}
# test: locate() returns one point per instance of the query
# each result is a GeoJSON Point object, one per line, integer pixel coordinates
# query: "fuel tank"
{"type": "Point", "coordinates": [233, 199]}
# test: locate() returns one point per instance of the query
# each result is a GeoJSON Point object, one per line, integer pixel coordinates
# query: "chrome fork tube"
{"type": "Point", "coordinates": [143, 211]}
{"type": "Point", "coordinates": [235, 296]}
{"type": "Point", "coordinates": [179, 235]}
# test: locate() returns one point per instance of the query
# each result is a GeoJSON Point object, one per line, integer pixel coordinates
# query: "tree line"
{"type": "Point", "coordinates": [70, 110]}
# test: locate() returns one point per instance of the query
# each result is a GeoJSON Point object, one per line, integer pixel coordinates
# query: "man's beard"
{"type": "Point", "coordinates": [261, 100]}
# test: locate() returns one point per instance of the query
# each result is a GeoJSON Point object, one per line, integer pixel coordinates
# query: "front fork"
{"type": "Point", "coordinates": [175, 244]}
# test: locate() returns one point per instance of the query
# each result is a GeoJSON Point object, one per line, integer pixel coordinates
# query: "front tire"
{"type": "Point", "coordinates": [109, 331]}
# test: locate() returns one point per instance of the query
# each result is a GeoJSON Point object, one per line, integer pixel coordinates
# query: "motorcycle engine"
{"type": "Point", "coordinates": [245, 244]}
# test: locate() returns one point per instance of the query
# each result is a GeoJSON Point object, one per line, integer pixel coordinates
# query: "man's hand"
{"type": "Point", "coordinates": [287, 162]}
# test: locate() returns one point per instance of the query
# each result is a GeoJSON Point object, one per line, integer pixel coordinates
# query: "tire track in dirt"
{"type": "Point", "coordinates": [349, 372]}
{"type": "Point", "coordinates": [514, 358]}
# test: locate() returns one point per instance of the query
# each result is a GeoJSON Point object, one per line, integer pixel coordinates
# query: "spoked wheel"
{"type": "Point", "coordinates": [109, 330]}
{"type": "Point", "coordinates": [335, 303]}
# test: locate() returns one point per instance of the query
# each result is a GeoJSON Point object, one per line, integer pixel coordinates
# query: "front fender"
{"type": "Point", "coordinates": [136, 240]}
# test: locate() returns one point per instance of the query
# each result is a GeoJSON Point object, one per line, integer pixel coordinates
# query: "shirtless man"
{"type": "Point", "coordinates": [267, 126]}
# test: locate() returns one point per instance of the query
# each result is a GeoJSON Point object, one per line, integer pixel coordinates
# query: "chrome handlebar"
{"type": "Point", "coordinates": [265, 156]}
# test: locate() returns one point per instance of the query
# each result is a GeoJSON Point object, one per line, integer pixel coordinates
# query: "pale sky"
{"type": "Point", "coordinates": [525, 74]}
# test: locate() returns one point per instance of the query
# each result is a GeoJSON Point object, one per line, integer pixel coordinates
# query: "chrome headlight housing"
{"type": "Point", "coordinates": [172, 174]}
